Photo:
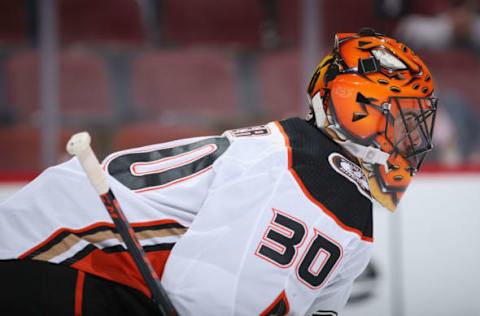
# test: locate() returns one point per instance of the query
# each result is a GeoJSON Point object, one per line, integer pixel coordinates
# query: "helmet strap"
{"type": "Point", "coordinates": [318, 111]}
{"type": "Point", "coordinates": [365, 153]}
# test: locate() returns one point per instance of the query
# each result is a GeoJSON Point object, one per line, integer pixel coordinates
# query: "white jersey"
{"type": "Point", "coordinates": [268, 220]}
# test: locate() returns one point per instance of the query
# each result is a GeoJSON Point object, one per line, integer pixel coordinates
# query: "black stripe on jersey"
{"type": "Point", "coordinates": [96, 229]}
{"type": "Point", "coordinates": [149, 248]}
{"type": "Point", "coordinates": [138, 229]}
{"type": "Point", "coordinates": [79, 255]}
{"type": "Point", "coordinates": [310, 149]}
{"type": "Point", "coordinates": [56, 240]}
{"type": "Point", "coordinates": [114, 249]}
{"type": "Point", "coordinates": [159, 247]}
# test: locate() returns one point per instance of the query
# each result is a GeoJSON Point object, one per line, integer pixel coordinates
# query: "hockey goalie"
{"type": "Point", "coordinates": [267, 220]}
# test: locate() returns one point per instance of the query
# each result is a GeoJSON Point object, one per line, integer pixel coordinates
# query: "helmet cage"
{"type": "Point", "coordinates": [409, 128]}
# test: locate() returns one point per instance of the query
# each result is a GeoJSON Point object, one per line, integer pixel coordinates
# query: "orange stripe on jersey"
{"type": "Point", "coordinates": [119, 267]}
{"type": "Point", "coordinates": [79, 293]}
{"type": "Point", "coordinates": [309, 195]}
{"type": "Point", "coordinates": [113, 263]}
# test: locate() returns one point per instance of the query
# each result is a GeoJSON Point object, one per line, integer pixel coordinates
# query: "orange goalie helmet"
{"type": "Point", "coordinates": [374, 96]}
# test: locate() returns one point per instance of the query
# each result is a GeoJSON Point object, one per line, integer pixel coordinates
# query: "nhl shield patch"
{"type": "Point", "coordinates": [351, 171]}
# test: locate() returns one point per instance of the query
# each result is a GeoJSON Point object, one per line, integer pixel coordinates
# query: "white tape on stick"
{"type": "Point", "coordinates": [79, 146]}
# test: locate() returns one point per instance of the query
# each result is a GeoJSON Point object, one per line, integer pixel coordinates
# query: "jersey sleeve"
{"type": "Point", "coordinates": [174, 176]}
{"type": "Point", "coordinates": [59, 218]}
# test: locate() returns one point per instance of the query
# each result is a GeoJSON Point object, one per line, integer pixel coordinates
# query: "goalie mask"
{"type": "Point", "coordinates": [374, 96]}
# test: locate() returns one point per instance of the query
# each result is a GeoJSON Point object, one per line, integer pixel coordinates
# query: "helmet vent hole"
{"type": "Point", "coordinates": [395, 89]}
{"type": "Point", "coordinates": [357, 116]}
{"type": "Point", "coordinates": [427, 78]}
{"type": "Point", "coordinates": [424, 89]}
{"type": "Point", "coordinates": [415, 86]}
{"type": "Point", "coordinates": [398, 178]}
{"type": "Point", "coordinates": [392, 167]}
{"type": "Point", "coordinates": [404, 49]}
{"type": "Point", "coordinates": [383, 81]}
{"type": "Point", "coordinates": [363, 43]}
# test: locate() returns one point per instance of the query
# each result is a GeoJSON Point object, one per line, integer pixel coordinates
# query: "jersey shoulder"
{"type": "Point", "coordinates": [254, 145]}
{"type": "Point", "coordinates": [327, 177]}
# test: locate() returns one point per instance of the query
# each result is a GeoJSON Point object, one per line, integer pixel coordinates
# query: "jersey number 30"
{"type": "Point", "coordinates": [281, 243]}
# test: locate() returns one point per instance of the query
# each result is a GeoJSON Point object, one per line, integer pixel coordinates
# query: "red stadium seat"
{"type": "Point", "coordinates": [280, 82]}
{"type": "Point", "coordinates": [142, 134]}
{"type": "Point", "coordinates": [429, 7]}
{"type": "Point", "coordinates": [348, 16]}
{"type": "Point", "coordinates": [20, 148]}
{"type": "Point", "coordinates": [100, 22]}
{"type": "Point", "coordinates": [22, 84]}
{"type": "Point", "coordinates": [191, 82]}
{"type": "Point", "coordinates": [334, 17]}
{"type": "Point", "coordinates": [289, 21]}
{"type": "Point", "coordinates": [13, 26]}
{"type": "Point", "coordinates": [84, 86]}
{"type": "Point", "coordinates": [212, 21]}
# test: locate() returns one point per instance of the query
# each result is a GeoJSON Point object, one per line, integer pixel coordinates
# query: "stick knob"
{"type": "Point", "coordinates": [79, 146]}
{"type": "Point", "coordinates": [78, 143]}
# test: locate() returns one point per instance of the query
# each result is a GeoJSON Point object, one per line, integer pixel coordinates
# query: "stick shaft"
{"type": "Point", "coordinates": [159, 296]}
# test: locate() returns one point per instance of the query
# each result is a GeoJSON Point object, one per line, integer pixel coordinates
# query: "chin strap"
{"type": "Point", "coordinates": [366, 154]}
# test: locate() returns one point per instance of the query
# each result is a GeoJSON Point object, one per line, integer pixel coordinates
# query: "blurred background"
{"type": "Point", "coordinates": [138, 72]}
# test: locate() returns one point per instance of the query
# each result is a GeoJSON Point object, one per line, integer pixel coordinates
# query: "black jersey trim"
{"type": "Point", "coordinates": [279, 307]}
{"type": "Point", "coordinates": [308, 151]}
{"type": "Point", "coordinates": [121, 166]}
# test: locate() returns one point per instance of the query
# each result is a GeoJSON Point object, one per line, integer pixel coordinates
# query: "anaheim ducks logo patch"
{"type": "Point", "coordinates": [351, 171]}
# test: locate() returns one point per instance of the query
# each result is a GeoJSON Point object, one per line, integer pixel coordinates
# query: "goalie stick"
{"type": "Point", "coordinates": [79, 146]}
